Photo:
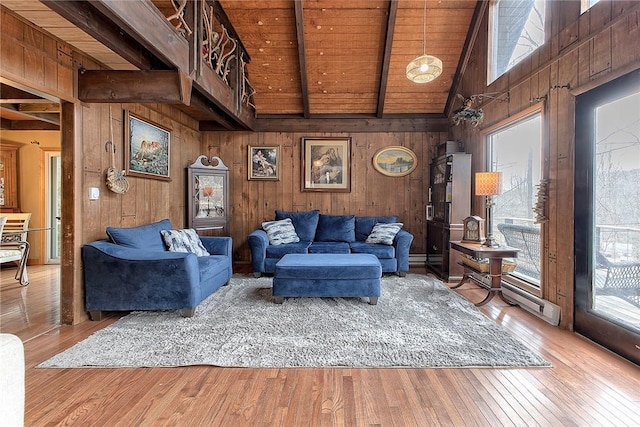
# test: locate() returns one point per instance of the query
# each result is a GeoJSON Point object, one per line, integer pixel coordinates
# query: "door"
{"type": "Point", "coordinates": [53, 206]}
{"type": "Point", "coordinates": [607, 215]}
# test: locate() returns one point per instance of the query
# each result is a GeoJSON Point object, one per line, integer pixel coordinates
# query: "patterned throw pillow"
{"type": "Point", "coordinates": [384, 233]}
{"type": "Point", "coordinates": [280, 232]}
{"type": "Point", "coordinates": [184, 241]}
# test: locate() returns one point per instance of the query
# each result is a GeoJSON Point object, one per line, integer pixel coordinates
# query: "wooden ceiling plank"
{"type": "Point", "coordinates": [44, 117]}
{"type": "Point", "coordinates": [39, 107]}
{"type": "Point", "coordinates": [84, 16]}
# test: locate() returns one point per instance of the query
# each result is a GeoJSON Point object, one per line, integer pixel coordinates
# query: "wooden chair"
{"type": "Point", "coordinates": [13, 243]}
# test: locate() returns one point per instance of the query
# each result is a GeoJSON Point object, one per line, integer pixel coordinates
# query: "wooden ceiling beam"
{"type": "Point", "coordinates": [364, 123]}
{"type": "Point", "coordinates": [28, 125]}
{"type": "Point", "coordinates": [39, 107]}
{"type": "Point", "coordinates": [83, 15]}
{"type": "Point", "coordinates": [472, 35]}
{"type": "Point", "coordinates": [53, 118]}
{"type": "Point", "coordinates": [145, 86]}
{"type": "Point", "coordinates": [302, 57]}
{"type": "Point", "coordinates": [386, 57]}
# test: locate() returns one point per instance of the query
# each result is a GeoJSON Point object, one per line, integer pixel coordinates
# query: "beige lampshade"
{"type": "Point", "coordinates": [488, 183]}
{"type": "Point", "coordinates": [424, 69]}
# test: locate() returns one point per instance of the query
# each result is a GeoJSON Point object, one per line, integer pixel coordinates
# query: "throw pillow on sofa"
{"type": "Point", "coordinates": [384, 233]}
{"type": "Point", "coordinates": [305, 223]}
{"type": "Point", "coordinates": [336, 228]}
{"type": "Point", "coordinates": [280, 232]}
{"type": "Point", "coordinates": [364, 225]}
{"type": "Point", "coordinates": [184, 241]}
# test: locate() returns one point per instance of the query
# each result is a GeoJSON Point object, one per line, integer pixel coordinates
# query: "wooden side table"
{"type": "Point", "coordinates": [495, 256]}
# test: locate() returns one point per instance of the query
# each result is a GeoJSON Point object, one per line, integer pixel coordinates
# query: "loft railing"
{"type": "Point", "coordinates": [216, 50]}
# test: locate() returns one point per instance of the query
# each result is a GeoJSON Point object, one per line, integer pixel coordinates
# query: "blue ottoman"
{"type": "Point", "coordinates": [327, 275]}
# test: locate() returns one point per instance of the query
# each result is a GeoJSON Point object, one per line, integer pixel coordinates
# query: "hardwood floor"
{"type": "Point", "coordinates": [587, 385]}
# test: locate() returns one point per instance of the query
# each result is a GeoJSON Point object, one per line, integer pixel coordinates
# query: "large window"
{"type": "Point", "coordinates": [516, 29]}
{"type": "Point", "coordinates": [515, 149]}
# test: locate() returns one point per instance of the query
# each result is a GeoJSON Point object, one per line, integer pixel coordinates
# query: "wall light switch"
{"type": "Point", "coordinates": [94, 193]}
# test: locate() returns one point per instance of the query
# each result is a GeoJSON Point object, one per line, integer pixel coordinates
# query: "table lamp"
{"type": "Point", "coordinates": [489, 184]}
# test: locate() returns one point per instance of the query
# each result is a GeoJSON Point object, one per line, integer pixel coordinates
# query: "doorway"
{"type": "Point", "coordinates": [607, 215]}
{"type": "Point", "coordinates": [53, 197]}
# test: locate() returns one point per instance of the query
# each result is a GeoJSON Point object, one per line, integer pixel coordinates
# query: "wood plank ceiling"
{"type": "Point", "coordinates": [323, 58]}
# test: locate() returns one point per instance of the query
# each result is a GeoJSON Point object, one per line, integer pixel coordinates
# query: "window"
{"type": "Point", "coordinates": [587, 4]}
{"type": "Point", "coordinates": [517, 29]}
{"type": "Point", "coordinates": [515, 149]}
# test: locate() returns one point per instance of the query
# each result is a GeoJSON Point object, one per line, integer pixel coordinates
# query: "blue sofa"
{"type": "Point", "coordinates": [331, 234]}
{"type": "Point", "coordinates": [133, 270]}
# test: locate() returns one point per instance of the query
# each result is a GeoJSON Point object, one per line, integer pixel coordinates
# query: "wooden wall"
{"type": "Point", "coordinates": [372, 193]}
{"type": "Point", "coordinates": [582, 52]}
{"type": "Point", "coordinates": [36, 60]}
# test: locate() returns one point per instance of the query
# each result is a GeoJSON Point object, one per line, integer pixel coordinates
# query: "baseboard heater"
{"type": "Point", "coordinates": [417, 260]}
{"type": "Point", "coordinates": [547, 311]}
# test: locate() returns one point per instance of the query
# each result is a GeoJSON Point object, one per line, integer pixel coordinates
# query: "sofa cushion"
{"type": "Point", "coordinates": [305, 223]}
{"type": "Point", "coordinates": [280, 232]}
{"type": "Point", "coordinates": [278, 251]}
{"type": "Point", "coordinates": [329, 248]}
{"type": "Point", "coordinates": [384, 233]}
{"type": "Point", "coordinates": [184, 241]}
{"type": "Point", "coordinates": [364, 225]}
{"type": "Point", "coordinates": [381, 251]}
{"type": "Point", "coordinates": [336, 228]}
{"type": "Point", "coordinates": [146, 237]}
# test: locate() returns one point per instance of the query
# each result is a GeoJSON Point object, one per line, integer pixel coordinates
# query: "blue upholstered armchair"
{"type": "Point", "coordinates": [133, 270]}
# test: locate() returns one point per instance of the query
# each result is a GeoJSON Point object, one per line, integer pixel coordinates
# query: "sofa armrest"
{"type": "Point", "coordinates": [218, 245]}
{"type": "Point", "coordinates": [258, 243]}
{"type": "Point", "coordinates": [402, 243]}
{"type": "Point", "coordinates": [118, 278]}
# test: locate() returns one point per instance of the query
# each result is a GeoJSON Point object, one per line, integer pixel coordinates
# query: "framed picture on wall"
{"type": "Point", "coordinates": [264, 163]}
{"type": "Point", "coordinates": [326, 164]}
{"type": "Point", "coordinates": [147, 148]}
{"type": "Point", "coordinates": [395, 161]}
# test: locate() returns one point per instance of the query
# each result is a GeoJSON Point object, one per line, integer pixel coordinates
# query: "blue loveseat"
{"type": "Point", "coordinates": [133, 270]}
{"type": "Point", "coordinates": [331, 234]}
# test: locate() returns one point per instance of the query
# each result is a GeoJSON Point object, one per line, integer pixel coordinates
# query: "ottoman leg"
{"type": "Point", "coordinates": [373, 300]}
{"type": "Point", "coordinates": [278, 300]}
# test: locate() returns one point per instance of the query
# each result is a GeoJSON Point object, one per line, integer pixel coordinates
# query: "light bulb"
{"type": "Point", "coordinates": [424, 67]}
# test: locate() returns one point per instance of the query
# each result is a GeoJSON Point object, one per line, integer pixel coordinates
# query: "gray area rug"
{"type": "Point", "coordinates": [418, 322]}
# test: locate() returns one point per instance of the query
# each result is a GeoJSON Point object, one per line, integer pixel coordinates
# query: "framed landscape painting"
{"type": "Point", "coordinates": [326, 164]}
{"type": "Point", "coordinates": [395, 161]}
{"type": "Point", "coordinates": [264, 163]}
{"type": "Point", "coordinates": [147, 148]}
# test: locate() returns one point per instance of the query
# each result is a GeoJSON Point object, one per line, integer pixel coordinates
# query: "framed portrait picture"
{"type": "Point", "coordinates": [395, 161]}
{"type": "Point", "coordinates": [326, 164]}
{"type": "Point", "coordinates": [147, 148]}
{"type": "Point", "coordinates": [264, 162]}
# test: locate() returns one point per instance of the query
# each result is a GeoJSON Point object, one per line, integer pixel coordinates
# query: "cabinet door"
{"type": "Point", "coordinates": [208, 199]}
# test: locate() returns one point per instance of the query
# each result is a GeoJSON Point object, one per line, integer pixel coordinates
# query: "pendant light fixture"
{"type": "Point", "coordinates": [425, 68]}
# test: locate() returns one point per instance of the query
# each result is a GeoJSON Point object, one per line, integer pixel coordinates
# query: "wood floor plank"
{"type": "Point", "coordinates": [587, 385]}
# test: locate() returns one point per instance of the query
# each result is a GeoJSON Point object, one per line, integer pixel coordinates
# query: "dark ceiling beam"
{"type": "Point", "coordinates": [302, 57]}
{"type": "Point", "coordinates": [53, 118]}
{"type": "Point", "coordinates": [27, 125]}
{"type": "Point", "coordinates": [386, 57]}
{"type": "Point", "coordinates": [368, 123]}
{"type": "Point", "coordinates": [145, 86]}
{"type": "Point", "coordinates": [83, 15]}
{"type": "Point", "coordinates": [470, 41]}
